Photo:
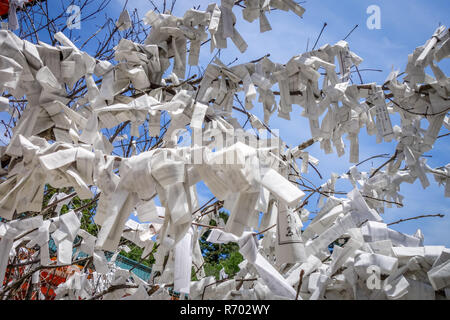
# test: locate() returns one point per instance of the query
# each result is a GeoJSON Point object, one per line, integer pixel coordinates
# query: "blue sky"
{"type": "Point", "coordinates": [405, 25]}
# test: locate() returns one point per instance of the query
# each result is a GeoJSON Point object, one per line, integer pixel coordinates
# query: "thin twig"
{"type": "Point", "coordinates": [320, 34]}
{"type": "Point", "coordinates": [348, 35]}
{"type": "Point", "coordinates": [206, 226]}
{"type": "Point", "coordinates": [418, 217]}
{"type": "Point", "coordinates": [114, 288]}
{"type": "Point", "coordinates": [384, 164]}
{"type": "Point", "coordinates": [299, 284]}
{"type": "Point", "coordinates": [265, 230]}
{"type": "Point", "coordinates": [45, 209]}
{"type": "Point", "coordinates": [384, 155]}
{"type": "Point", "coordinates": [29, 274]}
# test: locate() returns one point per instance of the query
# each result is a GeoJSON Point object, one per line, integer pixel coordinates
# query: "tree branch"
{"type": "Point", "coordinates": [418, 217]}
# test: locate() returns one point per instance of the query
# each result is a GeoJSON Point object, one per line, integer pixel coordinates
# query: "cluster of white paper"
{"type": "Point", "coordinates": [251, 176]}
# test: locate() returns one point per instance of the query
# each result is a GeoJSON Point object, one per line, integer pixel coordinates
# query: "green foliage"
{"type": "Point", "coordinates": [87, 221]}
{"type": "Point", "coordinates": [212, 269]}
{"type": "Point", "coordinates": [136, 253]}
{"type": "Point", "coordinates": [217, 256]}
{"type": "Point", "coordinates": [231, 264]}
{"type": "Point", "coordinates": [194, 275]}
{"type": "Point", "coordinates": [220, 256]}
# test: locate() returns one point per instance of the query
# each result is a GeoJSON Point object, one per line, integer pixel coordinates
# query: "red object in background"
{"type": "Point", "coordinates": [4, 7]}
{"type": "Point", "coordinates": [48, 282]}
